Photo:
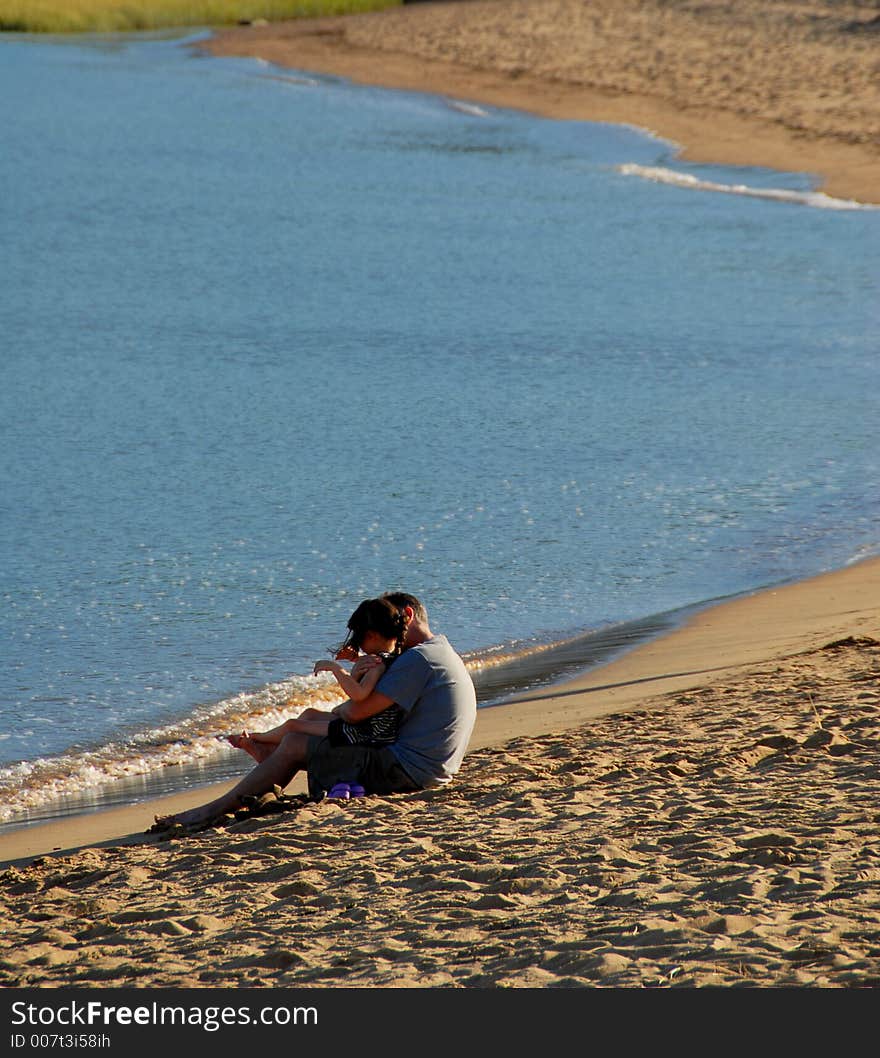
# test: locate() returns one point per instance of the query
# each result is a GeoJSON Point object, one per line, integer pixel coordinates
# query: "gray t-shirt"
{"type": "Point", "coordinates": [433, 687]}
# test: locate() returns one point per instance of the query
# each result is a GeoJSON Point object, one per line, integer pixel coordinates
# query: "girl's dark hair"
{"type": "Point", "coordinates": [375, 615]}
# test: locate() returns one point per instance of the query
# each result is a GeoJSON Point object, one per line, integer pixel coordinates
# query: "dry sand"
{"type": "Point", "coordinates": [702, 811]}
{"type": "Point", "coordinates": [788, 84]}
{"type": "Point", "coordinates": [714, 823]}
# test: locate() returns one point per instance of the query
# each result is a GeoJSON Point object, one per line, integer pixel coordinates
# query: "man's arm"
{"type": "Point", "coordinates": [354, 712]}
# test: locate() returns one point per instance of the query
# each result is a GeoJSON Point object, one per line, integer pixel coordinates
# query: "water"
{"type": "Point", "coordinates": [273, 343]}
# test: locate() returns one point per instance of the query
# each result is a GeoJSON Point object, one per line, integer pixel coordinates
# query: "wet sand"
{"type": "Point", "coordinates": [701, 811]}
{"type": "Point", "coordinates": [789, 85]}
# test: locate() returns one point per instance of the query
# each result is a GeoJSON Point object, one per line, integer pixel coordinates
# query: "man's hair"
{"type": "Point", "coordinates": [402, 598]}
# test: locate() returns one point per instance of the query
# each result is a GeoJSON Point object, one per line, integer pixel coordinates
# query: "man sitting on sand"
{"type": "Point", "coordinates": [376, 633]}
{"type": "Point", "coordinates": [428, 682]}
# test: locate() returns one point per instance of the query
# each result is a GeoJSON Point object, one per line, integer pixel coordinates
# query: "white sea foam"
{"type": "Point", "coordinates": [467, 108]}
{"type": "Point", "coordinates": [862, 553]}
{"type": "Point", "coordinates": [309, 82]}
{"type": "Point", "coordinates": [30, 787]}
{"type": "Point", "coordinates": [816, 199]}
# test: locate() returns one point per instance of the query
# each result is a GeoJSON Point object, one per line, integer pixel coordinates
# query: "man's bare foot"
{"type": "Point", "coordinates": [193, 817]}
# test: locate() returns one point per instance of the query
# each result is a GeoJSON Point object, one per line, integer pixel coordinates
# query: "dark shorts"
{"type": "Point", "coordinates": [374, 767]}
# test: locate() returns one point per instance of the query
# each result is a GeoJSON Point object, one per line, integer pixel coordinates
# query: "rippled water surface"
{"type": "Point", "coordinates": [272, 343]}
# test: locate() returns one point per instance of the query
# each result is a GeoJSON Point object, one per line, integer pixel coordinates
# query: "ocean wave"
{"type": "Point", "coordinates": [471, 109]}
{"type": "Point", "coordinates": [30, 788]}
{"type": "Point", "coordinates": [861, 554]}
{"type": "Point", "coordinates": [27, 786]}
{"type": "Point", "coordinates": [308, 82]}
{"type": "Point", "coordinates": [816, 199]}
{"type": "Point", "coordinates": [32, 791]}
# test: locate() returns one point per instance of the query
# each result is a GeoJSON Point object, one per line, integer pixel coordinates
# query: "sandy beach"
{"type": "Point", "coordinates": [701, 811]}
{"type": "Point", "coordinates": [789, 85]}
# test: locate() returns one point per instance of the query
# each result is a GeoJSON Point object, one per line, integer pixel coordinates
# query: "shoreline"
{"type": "Point", "coordinates": [533, 670]}
{"type": "Point", "coordinates": [701, 812]}
{"type": "Point", "coordinates": [715, 643]}
{"type": "Point", "coordinates": [732, 89]}
{"type": "Point", "coordinates": [499, 675]}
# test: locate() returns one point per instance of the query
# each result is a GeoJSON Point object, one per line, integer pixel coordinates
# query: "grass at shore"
{"type": "Point", "coordinates": [102, 16]}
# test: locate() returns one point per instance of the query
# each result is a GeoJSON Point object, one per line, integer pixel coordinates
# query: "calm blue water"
{"type": "Point", "coordinates": [272, 343]}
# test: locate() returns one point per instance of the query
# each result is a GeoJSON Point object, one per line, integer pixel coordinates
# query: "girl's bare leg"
{"type": "Point", "coordinates": [261, 744]}
{"type": "Point", "coordinates": [306, 726]}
